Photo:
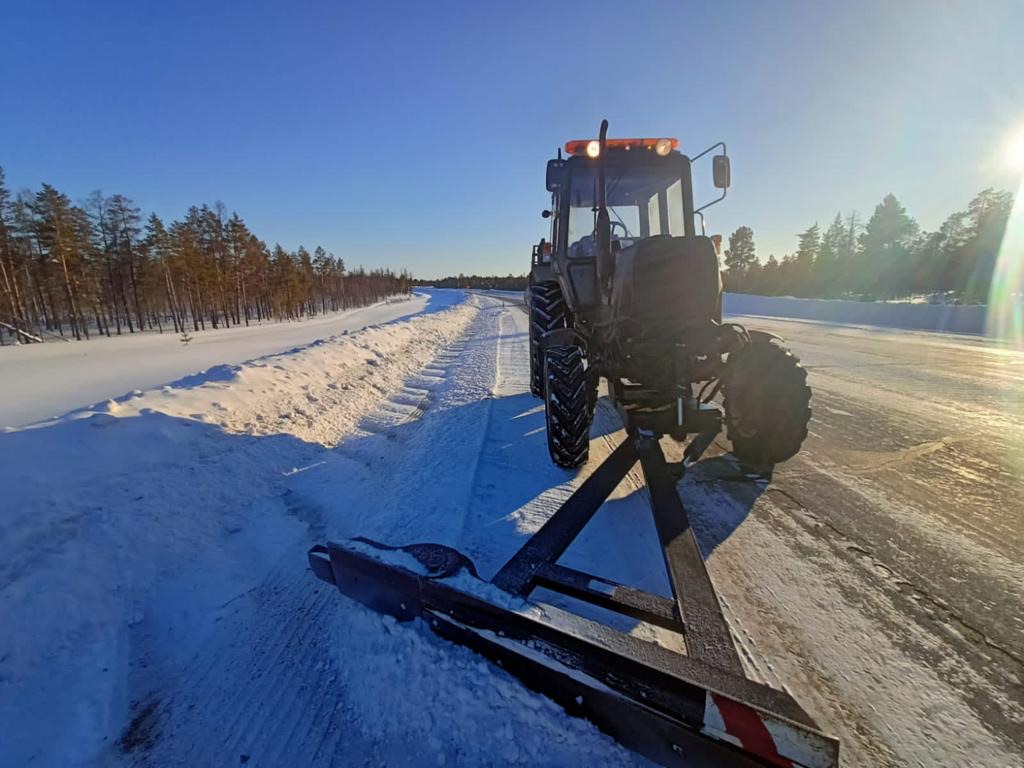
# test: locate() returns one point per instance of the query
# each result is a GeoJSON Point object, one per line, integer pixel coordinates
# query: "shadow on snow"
{"type": "Point", "coordinates": [435, 480]}
{"type": "Point", "coordinates": [473, 476]}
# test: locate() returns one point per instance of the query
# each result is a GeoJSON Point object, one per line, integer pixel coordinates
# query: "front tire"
{"type": "Point", "coordinates": [567, 408]}
{"type": "Point", "coordinates": [548, 312]}
{"type": "Point", "coordinates": [767, 402]}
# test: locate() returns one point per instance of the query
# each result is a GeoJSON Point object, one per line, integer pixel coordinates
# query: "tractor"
{"type": "Point", "coordinates": [625, 289]}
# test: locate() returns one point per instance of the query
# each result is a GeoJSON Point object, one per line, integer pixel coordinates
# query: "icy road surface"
{"type": "Point", "coordinates": [881, 573]}
{"type": "Point", "coordinates": [152, 555]}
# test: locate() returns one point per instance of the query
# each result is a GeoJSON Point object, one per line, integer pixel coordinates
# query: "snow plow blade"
{"type": "Point", "coordinates": [670, 708]}
{"type": "Point", "coordinates": [692, 709]}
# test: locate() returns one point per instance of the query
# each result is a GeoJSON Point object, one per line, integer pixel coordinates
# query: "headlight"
{"type": "Point", "coordinates": [593, 148]}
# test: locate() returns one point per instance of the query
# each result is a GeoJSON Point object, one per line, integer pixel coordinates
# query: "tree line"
{"type": "Point", "coordinates": [96, 268]}
{"type": "Point", "coordinates": [479, 282]}
{"type": "Point", "coordinates": [887, 257]}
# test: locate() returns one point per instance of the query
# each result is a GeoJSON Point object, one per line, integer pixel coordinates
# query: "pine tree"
{"type": "Point", "coordinates": [13, 310]}
{"type": "Point", "coordinates": [987, 216]}
{"type": "Point", "coordinates": [57, 229]}
{"type": "Point", "coordinates": [886, 245]}
{"type": "Point", "coordinates": [825, 265]}
{"type": "Point", "coordinates": [740, 257]}
{"type": "Point", "coordinates": [847, 256]}
{"type": "Point", "coordinates": [123, 218]}
{"type": "Point", "coordinates": [770, 278]}
{"type": "Point", "coordinates": [806, 254]}
{"type": "Point", "coordinates": [809, 245]}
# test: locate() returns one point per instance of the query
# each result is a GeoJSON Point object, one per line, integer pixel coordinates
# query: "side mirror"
{"type": "Point", "coordinates": [720, 170]}
{"type": "Point", "coordinates": [554, 174]}
{"type": "Point", "coordinates": [545, 214]}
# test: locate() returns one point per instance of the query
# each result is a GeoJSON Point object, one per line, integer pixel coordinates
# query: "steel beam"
{"type": "Point", "coordinates": [555, 536]}
{"type": "Point", "coordinates": [707, 633]}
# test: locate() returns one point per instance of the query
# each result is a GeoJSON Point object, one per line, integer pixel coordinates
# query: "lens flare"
{"type": "Point", "coordinates": [1005, 318]}
{"type": "Point", "coordinates": [1015, 151]}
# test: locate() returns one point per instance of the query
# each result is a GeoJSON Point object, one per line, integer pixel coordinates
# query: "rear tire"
{"type": "Point", "coordinates": [767, 402]}
{"type": "Point", "coordinates": [548, 312]}
{"type": "Point", "coordinates": [567, 406]}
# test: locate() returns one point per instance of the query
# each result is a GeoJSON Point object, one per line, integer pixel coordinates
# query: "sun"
{"type": "Point", "coordinates": [1015, 151]}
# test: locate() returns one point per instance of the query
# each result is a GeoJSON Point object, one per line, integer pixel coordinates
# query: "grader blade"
{"type": "Point", "coordinates": [690, 709]}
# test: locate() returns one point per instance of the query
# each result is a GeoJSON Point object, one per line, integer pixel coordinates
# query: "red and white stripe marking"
{"type": "Point", "coordinates": [775, 741]}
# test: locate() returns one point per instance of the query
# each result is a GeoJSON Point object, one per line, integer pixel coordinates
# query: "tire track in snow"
{"type": "Point", "coordinates": [258, 665]}
{"type": "Point", "coordinates": [437, 474]}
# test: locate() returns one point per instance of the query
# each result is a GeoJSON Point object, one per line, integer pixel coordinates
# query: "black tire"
{"type": "Point", "coordinates": [548, 312]}
{"type": "Point", "coordinates": [567, 406]}
{"type": "Point", "coordinates": [767, 402]}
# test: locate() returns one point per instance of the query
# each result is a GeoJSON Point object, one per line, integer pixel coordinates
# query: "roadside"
{"type": "Point", "coordinates": [34, 378]}
{"type": "Point", "coordinates": [128, 526]}
{"type": "Point", "coordinates": [948, 318]}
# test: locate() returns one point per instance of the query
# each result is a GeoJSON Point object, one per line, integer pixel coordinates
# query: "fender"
{"type": "Point", "coordinates": [764, 335]}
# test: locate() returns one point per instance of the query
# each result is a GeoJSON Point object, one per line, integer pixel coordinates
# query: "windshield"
{"type": "Point", "coordinates": [643, 200]}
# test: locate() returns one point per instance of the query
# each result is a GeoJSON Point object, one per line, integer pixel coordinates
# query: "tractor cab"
{"type": "Point", "coordinates": [644, 198]}
{"type": "Point", "coordinates": [644, 186]}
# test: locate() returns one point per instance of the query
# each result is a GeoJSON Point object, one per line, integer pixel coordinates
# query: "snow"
{"type": "Point", "coordinates": [950, 318]}
{"type": "Point", "coordinates": [34, 377]}
{"type": "Point", "coordinates": [159, 611]}
{"type": "Point", "coordinates": [153, 568]}
{"type": "Point", "coordinates": [443, 720]}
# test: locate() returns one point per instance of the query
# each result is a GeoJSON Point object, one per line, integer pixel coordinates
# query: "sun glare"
{"type": "Point", "coordinates": [1005, 318]}
{"type": "Point", "coordinates": [1015, 151]}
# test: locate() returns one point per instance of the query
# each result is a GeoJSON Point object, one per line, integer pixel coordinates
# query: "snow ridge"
{"type": "Point", "coordinates": [126, 526]}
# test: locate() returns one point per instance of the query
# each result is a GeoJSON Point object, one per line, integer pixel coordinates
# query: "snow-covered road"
{"type": "Point", "coordinates": [152, 555]}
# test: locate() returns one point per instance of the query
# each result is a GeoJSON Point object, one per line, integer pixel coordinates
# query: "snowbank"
{"type": "Point", "coordinates": [922, 317]}
{"type": "Point", "coordinates": [128, 528]}
{"type": "Point", "coordinates": [39, 381]}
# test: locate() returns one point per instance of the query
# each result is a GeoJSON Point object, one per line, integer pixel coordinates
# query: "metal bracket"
{"type": "Point", "coordinates": [721, 197]}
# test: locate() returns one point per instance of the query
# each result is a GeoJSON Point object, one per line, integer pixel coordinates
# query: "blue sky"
{"type": "Point", "coordinates": [415, 135]}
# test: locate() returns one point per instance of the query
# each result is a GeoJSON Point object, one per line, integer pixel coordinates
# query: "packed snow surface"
{"type": "Point", "coordinates": [158, 610]}
{"type": "Point", "coordinates": [157, 605]}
